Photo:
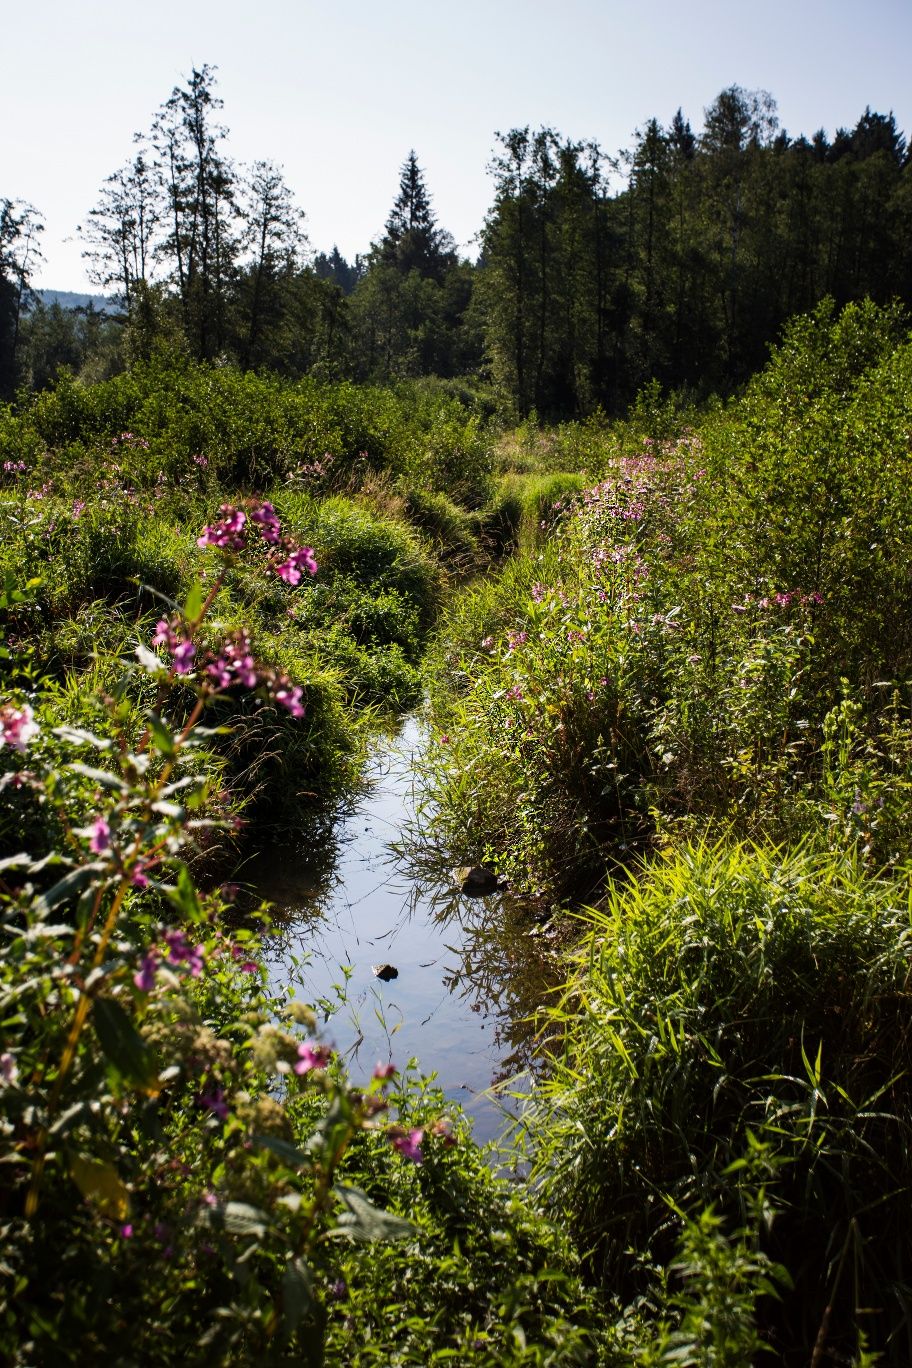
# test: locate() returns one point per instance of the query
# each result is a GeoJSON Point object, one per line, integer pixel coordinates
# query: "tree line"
{"type": "Point", "coordinates": [678, 260]}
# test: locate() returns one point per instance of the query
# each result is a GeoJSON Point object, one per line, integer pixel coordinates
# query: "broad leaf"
{"type": "Point", "coordinates": [361, 1220]}
{"type": "Point", "coordinates": [123, 1046]}
{"type": "Point", "coordinates": [102, 1185]}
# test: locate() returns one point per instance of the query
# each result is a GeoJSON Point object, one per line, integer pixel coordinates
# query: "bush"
{"type": "Point", "coordinates": [738, 992]}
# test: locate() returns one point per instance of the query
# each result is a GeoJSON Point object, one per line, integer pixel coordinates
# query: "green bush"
{"type": "Point", "coordinates": [734, 992]}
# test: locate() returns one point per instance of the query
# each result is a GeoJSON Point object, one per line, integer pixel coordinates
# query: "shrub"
{"type": "Point", "coordinates": [730, 992]}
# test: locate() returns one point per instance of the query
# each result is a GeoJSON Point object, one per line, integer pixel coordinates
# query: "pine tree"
{"type": "Point", "coordinates": [412, 240]}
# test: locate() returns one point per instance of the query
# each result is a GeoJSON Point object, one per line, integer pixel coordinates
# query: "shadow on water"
{"type": "Point", "coordinates": [470, 972]}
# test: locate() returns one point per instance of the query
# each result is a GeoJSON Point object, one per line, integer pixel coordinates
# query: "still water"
{"type": "Point", "coordinates": [464, 990]}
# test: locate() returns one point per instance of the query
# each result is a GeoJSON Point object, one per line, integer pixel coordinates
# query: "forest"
{"type": "Point", "coordinates": [678, 259]}
{"type": "Point", "coordinates": [621, 509]}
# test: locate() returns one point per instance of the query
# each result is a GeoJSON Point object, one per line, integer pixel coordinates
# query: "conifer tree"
{"type": "Point", "coordinates": [412, 240]}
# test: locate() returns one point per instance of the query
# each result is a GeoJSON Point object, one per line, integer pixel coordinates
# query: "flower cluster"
{"type": "Point", "coordinates": [408, 1143]}
{"type": "Point", "coordinates": [17, 726]}
{"type": "Point", "coordinates": [176, 950]}
{"type": "Point", "coordinates": [779, 600]}
{"type": "Point", "coordinates": [228, 533]}
{"type": "Point", "coordinates": [301, 558]}
{"type": "Point", "coordinates": [14, 467]}
{"type": "Point", "coordinates": [312, 1055]}
{"type": "Point", "coordinates": [234, 664]}
{"type": "Point", "coordinates": [181, 648]}
{"type": "Point", "coordinates": [230, 664]}
{"type": "Point", "coordinates": [129, 439]}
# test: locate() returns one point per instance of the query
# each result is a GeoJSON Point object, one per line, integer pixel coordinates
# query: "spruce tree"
{"type": "Point", "coordinates": [412, 240]}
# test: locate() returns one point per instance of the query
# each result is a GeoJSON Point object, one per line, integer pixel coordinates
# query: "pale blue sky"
{"type": "Point", "coordinates": [338, 93]}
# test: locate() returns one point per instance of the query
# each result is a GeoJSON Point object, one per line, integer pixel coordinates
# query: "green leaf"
{"type": "Point", "coordinates": [361, 1220]}
{"type": "Point", "coordinates": [282, 1149]}
{"type": "Point", "coordinates": [297, 1294]}
{"type": "Point", "coordinates": [123, 1046]}
{"type": "Point", "coordinates": [102, 1185]}
{"type": "Point", "coordinates": [66, 888]}
{"type": "Point", "coordinates": [99, 776]}
{"type": "Point", "coordinates": [148, 659]}
{"type": "Point", "coordinates": [184, 896]}
{"type": "Point", "coordinates": [194, 602]}
{"type": "Point", "coordinates": [78, 736]}
{"type": "Point", "coordinates": [162, 739]}
{"type": "Point", "coordinates": [237, 1218]}
{"type": "Point", "coordinates": [22, 861]}
{"type": "Point", "coordinates": [332, 1131]}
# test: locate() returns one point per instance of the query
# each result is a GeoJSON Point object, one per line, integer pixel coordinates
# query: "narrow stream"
{"type": "Point", "coordinates": [462, 988]}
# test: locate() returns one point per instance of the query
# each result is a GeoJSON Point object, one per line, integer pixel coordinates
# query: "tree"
{"type": "Point", "coordinates": [335, 268]}
{"type": "Point", "coordinates": [20, 228]}
{"type": "Point", "coordinates": [412, 240]}
{"type": "Point", "coordinates": [198, 185]}
{"type": "Point", "coordinates": [274, 238]}
{"type": "Point", "coordinates": [120, 230]}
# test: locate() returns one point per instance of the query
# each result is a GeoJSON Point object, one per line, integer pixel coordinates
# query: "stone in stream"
{"type": "Point", "coordinates": [476, 881]}
{"type": "Point", "coordinates": [385, 972]}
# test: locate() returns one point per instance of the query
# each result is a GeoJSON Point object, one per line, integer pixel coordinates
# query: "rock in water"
{"type": "Point", "coordinates": [385, 972]}
{"type": "Point", "coordinates": [476, 881]}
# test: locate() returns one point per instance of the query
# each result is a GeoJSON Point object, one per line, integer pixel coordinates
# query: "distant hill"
{"type": "Point", "coordinates": [70, 299]}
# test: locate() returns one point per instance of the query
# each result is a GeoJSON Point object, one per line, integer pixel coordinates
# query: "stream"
{"type": "Point", "coordinates": [467, 976]}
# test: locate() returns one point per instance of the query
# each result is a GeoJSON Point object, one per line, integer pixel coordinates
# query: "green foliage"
{"type": "Point", "coordinates": [196, 423]}
{"type": "Point", "coordinates": [188, 1176]}
{"type": "Point", "coordinates": [674, 649]}
{"type": "Point", "coordinates": [737, 996]}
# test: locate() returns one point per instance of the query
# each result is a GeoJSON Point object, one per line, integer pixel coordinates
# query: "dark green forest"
{"type": "Point", "coordinates": [677, 259]}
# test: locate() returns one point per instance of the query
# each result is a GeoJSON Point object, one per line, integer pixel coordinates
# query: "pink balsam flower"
{"type": "Point", "coordinates": [311, 1055]}
{"type": "Point", "coordinates": [17, 726]}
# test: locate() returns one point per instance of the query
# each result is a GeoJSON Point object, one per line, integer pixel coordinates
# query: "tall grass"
{"type": "Point", "coordinates": [733, 996]}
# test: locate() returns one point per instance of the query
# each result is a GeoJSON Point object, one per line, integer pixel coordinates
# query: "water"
{"type": "Point", "coordinates": [462, 990]}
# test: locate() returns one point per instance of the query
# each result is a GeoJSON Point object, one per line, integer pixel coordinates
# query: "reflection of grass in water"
{"type": "Point", "coordinates": [296, 874]}
{"type": "Point", "coordinates": [506, 959]}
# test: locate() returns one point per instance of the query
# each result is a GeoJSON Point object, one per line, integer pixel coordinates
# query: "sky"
{"type": "Point", "coordinates": [338, 92]}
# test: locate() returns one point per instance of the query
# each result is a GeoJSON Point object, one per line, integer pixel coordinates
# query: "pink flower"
{"type": "Point", "coordinates": [409, 1145]}
{"type": "Point", "coordinates": [214, 1101]}
{"type": "Point", "coordinates": [100, 838]}
{"type": "Point", "coordinates": [270, 528]}
{"type": "Point", "coordinates": [443, 1129]}
{"type": "Point", "coordinates": [302, 558]}
{"type": "Point", "coordinates": [228, 533]}
{"type": "Point", "coordinates": [288, 696]}
{"type": "Point", "coordinates": [384, 1071]}
{"type": "Point", "coordinates": [180, 951]}
{"type": "Point", "coordinates": [145, 979]}
{"type": "Point", "coordinates": [126, 1232]}
{"type": "Point", "coordinates": [248, 966]}
{"type": "Point", "coordinates": [220, 672]}
{"type": "Point", "coordinates": [9, 1069]}
{"type": "Point", "coordinates": [311, 1055]}
{"type": "Point", "coordinates": [17, 726]}
{"type": "Point", "coordinates": [164, 635]}
{"type": "Point", "coordinates": [183, 657]}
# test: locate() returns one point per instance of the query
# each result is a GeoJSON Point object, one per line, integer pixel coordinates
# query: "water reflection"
{"type": "Point", "coordinates": [470, 972]}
